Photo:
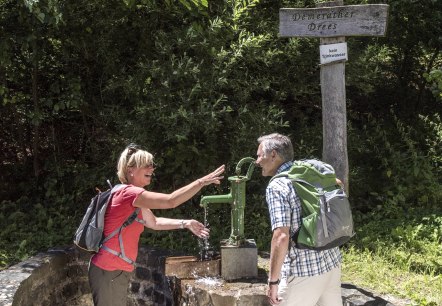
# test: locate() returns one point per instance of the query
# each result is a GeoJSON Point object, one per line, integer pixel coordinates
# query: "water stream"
{"type": "Point", "coordinates": [210, 281]}
{"type": "Point", "coordinates": [206, 250]}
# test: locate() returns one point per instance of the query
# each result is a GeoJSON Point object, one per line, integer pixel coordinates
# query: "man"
{"type": "Point", "coordinates": [308, 277]}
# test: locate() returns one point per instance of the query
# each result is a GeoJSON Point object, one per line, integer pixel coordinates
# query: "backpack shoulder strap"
{"type": "Point", "coordinates": [282, 174]}
{"type": "Point", "coordinates": [117, 187]}
{"type": "Point", "coordinates": [286, 174]}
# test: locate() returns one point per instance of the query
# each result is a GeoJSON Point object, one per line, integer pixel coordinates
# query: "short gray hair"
{"type": "Point", "coordinates": [280, 143]}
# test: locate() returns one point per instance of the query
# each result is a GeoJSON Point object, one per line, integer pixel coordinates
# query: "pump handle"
{"type": "Point", "coordinates": [250, 160]}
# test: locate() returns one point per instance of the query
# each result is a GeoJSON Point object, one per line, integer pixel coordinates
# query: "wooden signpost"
{"type": "Point", "coordinates": [331, 22]}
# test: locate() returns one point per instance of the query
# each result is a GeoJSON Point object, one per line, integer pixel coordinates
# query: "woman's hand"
{"type": "Point", "coordinates": [197, 228]}
{"type": "Point", "coordinates": [212, 178]}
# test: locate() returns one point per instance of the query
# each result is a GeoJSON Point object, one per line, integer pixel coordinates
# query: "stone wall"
{"type": "Point", "coordinates": [59, 277]}
{"type": "Point", "coordinates": [149, 285]}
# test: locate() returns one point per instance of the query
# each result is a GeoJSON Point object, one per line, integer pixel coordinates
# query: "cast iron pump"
{"type": "Point", "coordinates": [237, 199]}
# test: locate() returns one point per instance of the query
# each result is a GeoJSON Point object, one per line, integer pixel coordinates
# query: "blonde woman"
{"type": "Point", "coordinates": [111, 267]}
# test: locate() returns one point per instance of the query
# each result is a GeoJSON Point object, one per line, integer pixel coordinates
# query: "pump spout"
{"type": "Point", "coordinates": [216, 199]}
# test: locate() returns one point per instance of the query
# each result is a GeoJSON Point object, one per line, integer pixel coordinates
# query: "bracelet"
{"type": "Point", "coordinates": [276, 282]}
{"type": "Point", "coordinates": [182, 224]}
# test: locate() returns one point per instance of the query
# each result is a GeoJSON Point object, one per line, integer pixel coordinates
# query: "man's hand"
{"type": "Point", "coordinates": [272, 294]}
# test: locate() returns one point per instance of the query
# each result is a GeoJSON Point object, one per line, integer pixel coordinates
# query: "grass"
{"type": "Point", "coordinates": [400, 257]}
{"type": "Point", "coordinates": [377, 274]}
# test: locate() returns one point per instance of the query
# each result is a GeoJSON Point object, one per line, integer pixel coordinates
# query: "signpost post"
{"type": "Point", "coordinates": [331, 22]}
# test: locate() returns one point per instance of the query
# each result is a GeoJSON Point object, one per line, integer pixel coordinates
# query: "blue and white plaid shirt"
{"type": "Point", "coordinates": [285, 211]}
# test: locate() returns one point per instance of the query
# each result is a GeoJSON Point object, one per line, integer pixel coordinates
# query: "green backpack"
{"type": "Point", "coordinates": [326, 214]}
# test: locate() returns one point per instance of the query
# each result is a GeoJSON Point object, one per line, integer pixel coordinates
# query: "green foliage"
{"type": "Point", "coordinates": [435, 79]}
{"type": "Point", "coordinates": [404, 168]}
{"type": "Point", "coordinates": [28, 229]}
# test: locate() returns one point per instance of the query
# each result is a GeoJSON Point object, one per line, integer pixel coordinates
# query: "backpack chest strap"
{"type": "Point", "coordinates": [122, 254]}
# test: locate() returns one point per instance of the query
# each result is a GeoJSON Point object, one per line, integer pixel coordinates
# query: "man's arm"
{"type": "Point", "coordinates": [278, 251]}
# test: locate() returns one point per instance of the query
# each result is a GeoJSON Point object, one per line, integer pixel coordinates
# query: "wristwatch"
{"type": "Point", "coordinates": [276, 282]}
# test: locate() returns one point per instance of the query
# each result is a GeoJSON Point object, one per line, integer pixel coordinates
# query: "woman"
{"type": "Point", "coordinates": [109, 270]}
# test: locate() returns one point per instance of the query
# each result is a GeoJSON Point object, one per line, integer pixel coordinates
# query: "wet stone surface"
{"type": "Point", "coordinates": [217, 292]}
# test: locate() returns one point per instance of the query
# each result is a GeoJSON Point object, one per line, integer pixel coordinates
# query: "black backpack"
{"type": "Point", "coordinates": [89, 235]}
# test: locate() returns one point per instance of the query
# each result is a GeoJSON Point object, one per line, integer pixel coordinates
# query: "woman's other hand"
{"type": "Point", "coordinates": [197, 228]}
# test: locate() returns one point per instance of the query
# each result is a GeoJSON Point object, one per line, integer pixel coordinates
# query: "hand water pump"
{"type": "Point", "coordinates": [237, 199]}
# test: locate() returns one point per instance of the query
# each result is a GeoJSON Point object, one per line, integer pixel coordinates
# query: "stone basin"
{"type": "Point", "coordinates": [189, 267]}
{"type": "Point", "coordinates": [198, 283]}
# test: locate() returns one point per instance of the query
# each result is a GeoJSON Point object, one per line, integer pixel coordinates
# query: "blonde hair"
{"type": "Point", "coordinates": [132, 157]}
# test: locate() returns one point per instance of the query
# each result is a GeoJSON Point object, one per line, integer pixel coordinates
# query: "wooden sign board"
{"type": "Point", "coordinates": [349, 20]}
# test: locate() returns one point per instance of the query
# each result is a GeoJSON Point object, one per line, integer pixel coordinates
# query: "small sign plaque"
{"type": "Point", "coordinates": [333, 53]}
